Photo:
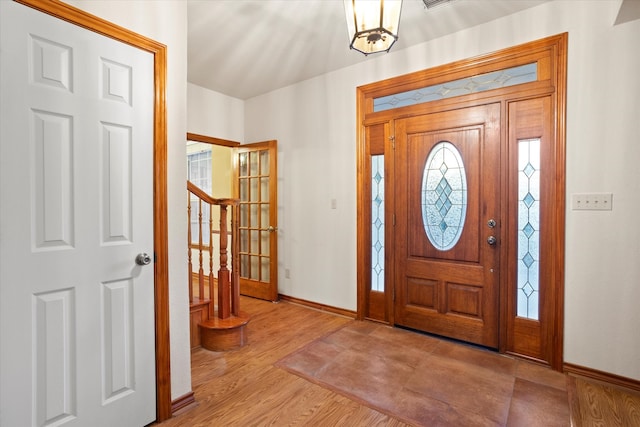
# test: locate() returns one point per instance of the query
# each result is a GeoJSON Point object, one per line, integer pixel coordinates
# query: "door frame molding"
{"type": "Point", "coordinates": [78, 17]}
{"type": "Point", "coordinates": [550, 54]}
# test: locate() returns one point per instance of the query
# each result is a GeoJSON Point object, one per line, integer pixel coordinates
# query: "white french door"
{"type": "Point", "coordinates": [76, 185]}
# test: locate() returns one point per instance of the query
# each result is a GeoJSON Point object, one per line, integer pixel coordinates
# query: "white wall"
{"type": "Point", "coordinates": [166, 22]}
{"type": "Point", "coordinates": [214, 114]}
{"type": "Point", "coordinates": [314, 123]}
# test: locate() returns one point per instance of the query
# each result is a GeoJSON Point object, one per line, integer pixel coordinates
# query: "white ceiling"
{"type": "Point", "coordinates": [244, 48]}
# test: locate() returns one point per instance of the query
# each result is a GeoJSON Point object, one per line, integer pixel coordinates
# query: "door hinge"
{"type": "Point", "coordinates": [392, 138]}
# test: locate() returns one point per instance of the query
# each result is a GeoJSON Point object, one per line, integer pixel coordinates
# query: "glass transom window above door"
{"type": "Point", "coordinates": [483, 82]}
{"type": "Point", "coordinates": [444, 196]}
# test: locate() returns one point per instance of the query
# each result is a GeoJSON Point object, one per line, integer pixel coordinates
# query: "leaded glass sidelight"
{"type": "Point", "coordinates": [377, 223]}
{"type": "Point", "coordinates": [528, 228]}
{"type": "Point", "coordinates": [444, 196]}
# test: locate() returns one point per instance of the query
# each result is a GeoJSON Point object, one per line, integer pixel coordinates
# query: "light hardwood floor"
{"type": "Point", "coordinates": [595, 404]}
{"type": "Point", "coordinates": [244, 387]}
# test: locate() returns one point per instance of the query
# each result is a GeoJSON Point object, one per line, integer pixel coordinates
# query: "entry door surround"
{"type": "Point", "coordinates": [376, 134]}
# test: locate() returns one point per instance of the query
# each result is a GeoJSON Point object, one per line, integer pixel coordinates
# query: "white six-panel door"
{"type": "Point", "coordinates": [76, 207]}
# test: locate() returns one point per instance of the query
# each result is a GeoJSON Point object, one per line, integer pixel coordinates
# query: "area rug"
{"type": "Point", "coordinates": [422, 380]}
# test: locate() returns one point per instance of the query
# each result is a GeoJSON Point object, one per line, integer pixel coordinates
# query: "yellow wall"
{"type": "Point", "coordinates": [221, 187]}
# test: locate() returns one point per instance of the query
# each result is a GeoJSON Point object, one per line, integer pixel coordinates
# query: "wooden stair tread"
{"type": "Point", "coordinates": [228, 323]}
{"type": "Point", "coordinates": [197, 302]}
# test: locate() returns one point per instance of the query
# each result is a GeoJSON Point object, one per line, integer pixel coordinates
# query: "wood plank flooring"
{"type": "Point", "coordinates": [245, 387]}
{"type": "Point", "coordinates": [595, 404]}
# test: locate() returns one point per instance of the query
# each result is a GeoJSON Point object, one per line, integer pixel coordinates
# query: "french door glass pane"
{"type": "Point", "coordinates": [253, 163]}
{"type": "Point", "coordinates": [264, 189]}
{"type": "Point", "coordinates": [264, 269]}
{"type": "Point", "coordinates": [255, 272]}
{"type": "Point", "coordinates": [255, 248]}
{"type": "Point", "coordinates": [244, 216]}
{"type": "Point", "coordinates": [244, 241]}
{"type": "Point", "coordinates": [264, 215]}
{"type": "Point", "coordinates": [244, 164]}
{"type": "Point", "coordinates": [244, 189]}
{"type": "Point", "coordinates": [264, 162]}
{"type": "Point", "coordinates": [528, 227]}
{"type": "Point", "coordinates": [264, 243]}
{"type": "Point", "coordinates": [254, 194]}
{"type": "Point", "coordinates": [244, 265]}
{"type": "Point", "coordinates": [253, 217]}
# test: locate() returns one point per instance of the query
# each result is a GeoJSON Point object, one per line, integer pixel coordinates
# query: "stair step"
{"type": "Point", "coordinates": [224, 334]}
{"type": "Point", "coordinates": [228, 323]}
{"type": "Point", "coordinates": [197, 302]}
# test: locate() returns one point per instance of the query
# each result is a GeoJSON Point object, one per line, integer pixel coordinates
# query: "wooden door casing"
{"type": "Point", "coordinates": [93, 23]}
{"type": "Point", "coordinates": [79, 134]}
{"type": "Point", "coordinates": [550, 56]}
{"type": "Point", "coordinates": [452, 292]}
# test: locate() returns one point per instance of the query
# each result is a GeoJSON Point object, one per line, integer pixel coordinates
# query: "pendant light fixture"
{"type": "Point", "coordinates": [372, 24]}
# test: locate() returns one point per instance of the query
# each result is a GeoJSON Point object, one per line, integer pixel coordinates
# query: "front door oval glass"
{"type": "Point", "coordinates": [444, 196]}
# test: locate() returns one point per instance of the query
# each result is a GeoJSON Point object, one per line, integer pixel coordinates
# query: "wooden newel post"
{"type": "Point", "coordinates": [224, 282]}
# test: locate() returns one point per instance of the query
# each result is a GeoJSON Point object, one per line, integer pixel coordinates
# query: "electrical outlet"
{"type": "Point", "coordinates": [592, 202]}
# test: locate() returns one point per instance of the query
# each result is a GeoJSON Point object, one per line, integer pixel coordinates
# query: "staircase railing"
{"type": "Point", "coordinates": [227, 293]}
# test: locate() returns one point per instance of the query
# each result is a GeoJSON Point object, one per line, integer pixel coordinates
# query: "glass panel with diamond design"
{"type": "Point", "coordinates": [480, 83]}
{"type": "Point", "coordinates": [528, 227]}
{"type": "Point", "coordinates": [444, 196]}
{"type": "Point", "coordinates": [377, 223]}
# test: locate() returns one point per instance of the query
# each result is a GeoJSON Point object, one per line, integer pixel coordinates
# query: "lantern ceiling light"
{"type": "Point", "coordinates": [372, 24]}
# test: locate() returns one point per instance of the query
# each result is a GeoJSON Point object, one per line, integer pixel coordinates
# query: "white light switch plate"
{"type": "Point", "coordinates": [592, 202]}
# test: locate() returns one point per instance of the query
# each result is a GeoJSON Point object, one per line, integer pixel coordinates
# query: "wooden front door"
{"type": "Point", "coordinates": [256, 182]}
{"type": "Point", "coordinates": [447, 192]}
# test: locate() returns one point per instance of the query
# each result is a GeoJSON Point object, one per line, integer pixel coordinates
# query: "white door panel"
{"type": "Point", "coordinates": [76, 180]}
